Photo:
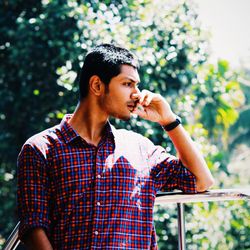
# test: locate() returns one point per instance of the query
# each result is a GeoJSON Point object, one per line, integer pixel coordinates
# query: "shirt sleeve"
{"type": "Point", "coordinates": [32, 194]}
{"type": "Point", "coordinates": [168, 172]}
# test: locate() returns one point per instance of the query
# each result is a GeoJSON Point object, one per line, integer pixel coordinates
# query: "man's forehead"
{"type": "Point", "coordinates": [129, 73]}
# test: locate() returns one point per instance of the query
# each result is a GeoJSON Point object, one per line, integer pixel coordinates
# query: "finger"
{"type": "Point", "coordinates": [147, 100]}
{"type": "Point", "coordinates": [143, 95]}
{"type": "Point", "coordinates": [140, 111]}
{"type": "Point", "coordinates": [135, 96]}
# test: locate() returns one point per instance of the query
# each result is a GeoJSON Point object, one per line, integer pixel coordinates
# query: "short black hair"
{"type": "Point", "coordinates": [105, 61]}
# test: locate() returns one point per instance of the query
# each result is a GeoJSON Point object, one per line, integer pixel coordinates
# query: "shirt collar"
{"type": "Point", "coordinates": [67, 131]}
{"type": "Point", "coordinates": [70, 134]}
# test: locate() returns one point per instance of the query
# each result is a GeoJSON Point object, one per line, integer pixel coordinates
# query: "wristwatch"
{"type": "Point", "coordinates": [172, 125]}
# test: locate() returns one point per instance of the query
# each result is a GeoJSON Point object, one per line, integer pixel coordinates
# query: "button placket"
{"type": "Point", "coordinates": [97, 207]}
{"type": "Point", "coordinates": [99, 178]}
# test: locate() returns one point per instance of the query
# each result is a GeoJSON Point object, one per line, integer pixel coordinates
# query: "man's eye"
{"type": "Point", "coordinates": [128, 84]}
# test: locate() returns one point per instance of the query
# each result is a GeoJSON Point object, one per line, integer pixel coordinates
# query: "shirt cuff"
{"type": "Point", "coordinates": [186, 181]}
{"type": "Point", "coordinates": [33, 221]}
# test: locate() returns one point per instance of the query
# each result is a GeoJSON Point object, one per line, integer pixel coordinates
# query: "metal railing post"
{"type": "Point", "coordinates": [181, 227]}
{"type": "Point", "coordinates": [13, 241]}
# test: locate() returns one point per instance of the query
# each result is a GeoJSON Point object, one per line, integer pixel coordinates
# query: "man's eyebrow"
{"type": "Point", "coordinates": [131, 79]}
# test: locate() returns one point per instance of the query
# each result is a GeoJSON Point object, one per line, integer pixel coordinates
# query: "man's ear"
{"type": "Point", "coordinates": [96, 86]}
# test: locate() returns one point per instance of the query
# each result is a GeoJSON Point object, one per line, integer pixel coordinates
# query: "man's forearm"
{"type": "Point", "coordinates": [155, 108]}
{"type": "Point", "coordinates": [191, 157]}
{"type": "Point", "coordinates": [37, 239]}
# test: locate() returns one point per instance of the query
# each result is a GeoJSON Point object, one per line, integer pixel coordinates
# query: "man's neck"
{"type": "Point", "coordinates": [89, 121]}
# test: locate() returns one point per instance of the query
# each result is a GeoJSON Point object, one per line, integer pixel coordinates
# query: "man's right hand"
{"type": "Point", "coordinates": [36, 239]}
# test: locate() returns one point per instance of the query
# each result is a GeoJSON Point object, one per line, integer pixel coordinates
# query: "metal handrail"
{"type": "Point", "coordinates": [165, 198]}
{"type": "Point", "coordinates": [212, 195]}
{"type": "Point", "coordinates": [13, 241]}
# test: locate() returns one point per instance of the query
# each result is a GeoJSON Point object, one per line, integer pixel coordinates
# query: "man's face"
{"type": "Point", "coordinates": [118, 101]}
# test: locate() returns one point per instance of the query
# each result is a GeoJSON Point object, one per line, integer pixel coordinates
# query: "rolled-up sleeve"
{"type": "Point", "coordinates": [171, 174]}
{"type": "Point", "coordinates": [32, 192]}
{"type": "Point", "coordinates": [168, 172]}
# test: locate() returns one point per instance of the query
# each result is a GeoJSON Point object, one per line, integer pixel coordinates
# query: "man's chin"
{"type": "Point", "coordinates": [124, 117]}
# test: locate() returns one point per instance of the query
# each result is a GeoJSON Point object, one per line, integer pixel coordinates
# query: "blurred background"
{"type": "Point", "coordinates": [195, 53]}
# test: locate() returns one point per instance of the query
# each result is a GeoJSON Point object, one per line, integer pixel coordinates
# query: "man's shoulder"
{"type": "Point", "coordinates": [45, 137]}
{"type": "Point", "coordinates": [41, 143]}
{"type": "Point", "coordinates": [125, 134]}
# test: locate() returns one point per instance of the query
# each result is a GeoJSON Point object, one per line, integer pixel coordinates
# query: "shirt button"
{"type": "Point", "coordinates": [98, 203]}
{"type": "Point", "coordinates": [98, 176]}
{"type": "Point", "coordinates": [96, 232]}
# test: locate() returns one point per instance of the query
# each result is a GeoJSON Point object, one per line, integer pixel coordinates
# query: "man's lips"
{"type": "Point", "coordinates": [132, 106]}
{"type": "Point", "coordinates": [132, 103]}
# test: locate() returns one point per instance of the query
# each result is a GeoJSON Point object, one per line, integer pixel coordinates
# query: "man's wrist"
{"type": "Point", "coordinates": [173, 124]}
{"type": "Point", "coordinates": [168, 119]}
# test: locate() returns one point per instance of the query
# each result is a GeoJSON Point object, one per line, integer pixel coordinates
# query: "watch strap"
{"type": "Point", "coordinates": [172, 125]}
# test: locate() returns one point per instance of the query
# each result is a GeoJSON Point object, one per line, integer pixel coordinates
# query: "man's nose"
{"type": "Point", "coordinates": [135, 93]}
{"type": "Point", "coordinates": [136, 90]}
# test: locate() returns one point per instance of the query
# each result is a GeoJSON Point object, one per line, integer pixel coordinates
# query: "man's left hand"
{"type": "Point", "coordinates": [153, 107]}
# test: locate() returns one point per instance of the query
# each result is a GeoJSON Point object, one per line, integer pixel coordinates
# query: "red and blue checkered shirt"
{"type": "Point", "coordinates": [89, 197]}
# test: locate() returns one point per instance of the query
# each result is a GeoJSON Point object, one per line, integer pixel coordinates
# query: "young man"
{"type": "Point", "coordinates": [84, 184]}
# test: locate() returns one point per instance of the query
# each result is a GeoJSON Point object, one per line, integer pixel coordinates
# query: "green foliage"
{"type": "Point", "coordinates": [220, 95]}
{"type": "Point", "coordinates": [219, 226]}
{"type": "Point", "coordinates": [240, 131]}
{"type": "Point", "coordinates": [165, 218]}
{"type": "Point", "coordinates": [42, 46]}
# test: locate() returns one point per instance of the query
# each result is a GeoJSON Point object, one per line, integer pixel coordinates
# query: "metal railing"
{"type": "Point", "coordinates": [213, 195]}
{"type": "Point", "coordinates": [13, 241]}
{"type": "Point", "coordinates": [165, 198]}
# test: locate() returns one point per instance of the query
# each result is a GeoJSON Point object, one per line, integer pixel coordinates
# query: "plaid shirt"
{"type": "Point", "coordinates": [88, 197]}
